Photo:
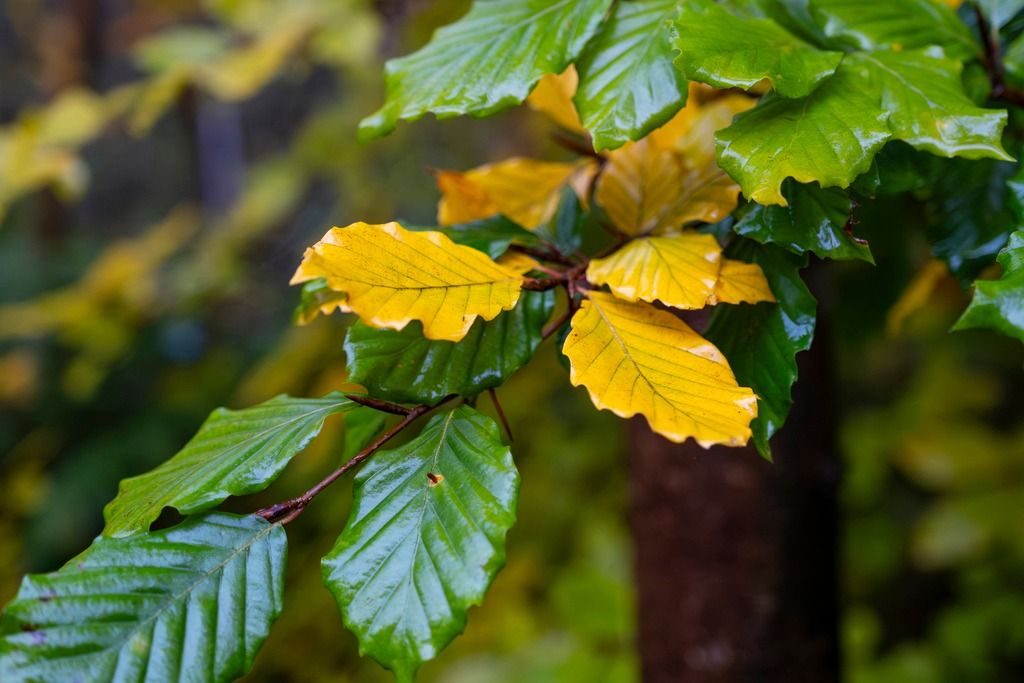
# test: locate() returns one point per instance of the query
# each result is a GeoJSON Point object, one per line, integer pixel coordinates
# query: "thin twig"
{"type": "Point", "coordinates": [501, 414]}
{"type": "Point", "coordinates": [555, 324]}
{"type": "Point", "coordinates": [552, 254]}
{"type": "Point", "coordinates": [992, 60]}
{"type": "Point", "coordinates": [377, 404]}
{"type": "Point", "coordinates": [575, 145]}
{"type": "Point", "coordinates": [541, 285]}
{"type": "Point", "coordinates": [287, 510]}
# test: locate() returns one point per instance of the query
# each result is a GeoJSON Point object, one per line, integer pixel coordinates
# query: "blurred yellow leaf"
{"type": "Point", "coordinates": [393, 276]}
{"type": "Point", "coordinates": [634, 358]}
{"type": "Point", "coordinates": [645, 189]}
{"type": "Point", "coordinates": [683, 270]}
{"type": "Point", "coordinates": [691, 132]}
{"type": "Point", "coordinates": [553, 96]}
{"type": "Point", "coordinates": [244, 71]}
{"type": "Point", "coordinates": [916, 296]}
{"type": "Point", "coordinates": [524, 190]}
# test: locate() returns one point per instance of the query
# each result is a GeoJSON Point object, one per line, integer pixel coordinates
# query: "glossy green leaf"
{"type": "Point", "coordinates": [234, 453]}
{"type": "Point", "coordinates": [316, 296]}
{"type": "Point", "coordinates": [761, 340]}
{"type": "Point", "coordinates": [566, 227]}
{"type": "Point", "coordinates": [628, 84]}
{"type": "Point", "coordinates": [191, 603]}
{"type": "Point", "coordinates": [999, 304]}
{"type": "Point", "coordinates": [894, 24]}
{"type": "Point", "coordinates": [404, 366]}
{"type": "Point", "coordinates": [971, 214]}
{"type": "Point", "coordinates": [361, 426]}
{"type": "Point", "coordinates": [488, 60]}
{"type": "Point", "coordinates": [814, 220]}
{"type": "Point", "coordinates": [726, 51]}
{"type": "Point", "coordinates": [493, 235]}
{"type": "Point", "coordinates": [832, 135]}
{"type": "Point", "coordinates": [1013, 61]}
{"type": "Point", "coordinates": [425, 538]}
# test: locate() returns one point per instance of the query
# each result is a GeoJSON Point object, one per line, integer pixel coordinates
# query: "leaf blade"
{"type": "Point", "coordinates": [235, 452]}
{"type": "Point", "coordinates": [132, 607]}
{"type": "Point", "coordinates": [401, 540]}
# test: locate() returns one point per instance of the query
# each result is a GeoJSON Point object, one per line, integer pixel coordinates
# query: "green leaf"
{"type": "Point", "coordinates": [1013, 61]}
{"type": "Point", "coordinates": [999, 304]}
{"type": "Point", "coordinates": [404, 366]}
{"type": "Point", "coordinates": [492, 235]}
{"type": "Point", "coordinates": [488, 60]}
{"type": "Point", "coordinates": [832, 135]}
{"type": "Point", "coordinates": [724, 50]}
{"type": "Point", "coordinates": [815, 220]}
{"type": "Point", "coordinates": [191, 603]}
{"type": "Point", "coordinates": [314, 297]}
{"type": "Point", "coordinates": [425, 538]}
{"type": "Point", "coordinates": [628, 85]}
{"type": "Point", "coordinates": [361, 426]}
{"type": "Point", "coordinates": [761, 340]}
{"type": "Point", "coordinates": [234, 453]}
{"type": "Point", "coordinates": [566, 228]}
{"type": "Point", "coordinates": [894, 24]}
{"type": "Point", "coordinates": [971, 214]}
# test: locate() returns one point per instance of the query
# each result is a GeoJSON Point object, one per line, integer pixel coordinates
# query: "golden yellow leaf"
{"type": "Point", "coordinates": [553, 96]}
{"type": "Point", "coordinates": [636, 359]}
{"type": "Point", "coordinates": [646, 190]}
{"type": "Point", "coordinates": [677, 270]}
{"type": "Point", "coordinates": [691, 132]}
{"type": "Point", "coordinates": [393, 276]}
{"type": "Point", "coordinates": [462, 200]}
{"type": "Point", "coordinates": [740, 282]}
{"type": "Point", "coordinates": [520, 263]}
{"type": "Point", "coordinates": [524, 190]}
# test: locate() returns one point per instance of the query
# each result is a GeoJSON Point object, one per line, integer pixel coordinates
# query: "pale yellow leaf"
{"type": "Point", "coordinates": [525, 190]}
{"type": "Point", "coordinates": [740, 282]}
{"type": "Point", "coordinates": [677, 270]}
{"type": "Point", "coordinates": [553, 96]}
{"type": "Point", "coordinates": [520, 263]}
{"type": "Point", "coordinates": [393, 276]}
{"type": "Point", "coordinates": [646, 190]}
{"type": "Point", "coordinates": [244, 71]}
{"type": "Point", "coordinates": [636, 359]}
{"type": "Point", "coordinates": [691, 132]}
{"type": "Point", "coordinates": [918, 294]}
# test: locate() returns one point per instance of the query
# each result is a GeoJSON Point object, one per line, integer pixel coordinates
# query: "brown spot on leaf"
{"type": "Point", "coordinates": [434, 478]}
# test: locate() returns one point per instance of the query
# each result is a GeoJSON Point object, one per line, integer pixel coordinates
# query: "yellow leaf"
{"type": "Point", "coordinates": [678, 270]}
{"type": "Point", "coordinates": [462, 200]}
{"type": "Point", "coordinates": [553, 96]}
{"type": "Point", "coordinates": [243, 72]}
{"type": "Point", "coordinates": [520, 263]}
{"type": "Point", "coordinates": [393, 276]}
{"type": "Point", "coordinates": [684, 270]}
{"type": "Point", "coordinates": [691, 132]}
{"type": "Point", "coordinates": [740, 282]}
{"type": "Point", "coordinates": [645, 189]}
{"type": "Point", "coordinates": [524, 190]}
{"type": "Point", "coordinates": [918, 294]}
{"type": "Point", "coordinates": [636, 359]}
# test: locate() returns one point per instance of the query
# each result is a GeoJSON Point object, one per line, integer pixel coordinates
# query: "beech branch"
{"type": "Point", "coordinates": [287, 510]}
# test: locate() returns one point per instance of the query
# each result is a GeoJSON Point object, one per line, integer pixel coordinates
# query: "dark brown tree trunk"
{"type": "Point", "coordinates": [735, 557]}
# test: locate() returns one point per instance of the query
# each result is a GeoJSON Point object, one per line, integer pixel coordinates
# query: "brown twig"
{"type": "Point", "coordinates": [501, 414]}
{"type": "Point", "coordinates": [993, 62]}
{"type": "Point", "coordinates": [552, 255]}
{"type": "Point", "coordinates": [287, 510]}
{"type": "Point", "coordinates": [377, 404]}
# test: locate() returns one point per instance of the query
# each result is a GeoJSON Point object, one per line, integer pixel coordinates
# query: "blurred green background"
{"type": "Point", "coordinates": [162, 166]}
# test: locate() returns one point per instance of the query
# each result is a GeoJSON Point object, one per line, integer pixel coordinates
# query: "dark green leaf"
{"type": "Point", "coordinates": [404, 366]}
{"type": "Point", "coordinates": [488, 60]}
{"type": "Point", "coordinates": [999, 304]}
{"type": "Point", "coordinates": [628, 84]}
{"type": "Point", "coordinates": [235, 452]}
{"type": "Point", "coordinates": [970, 214]}
{"type": "Point", "coordinates": [565, 229]}
{"type": "Point", "coordinates": [425, 539]}
{"type": "Point", "coordinates": [894, 24]}
{"type": "Point", "coordinates": [361, 426]}
{"type": "Point", "coordinates": [492, 235]}
{"type": "Point", "coordinates": [815, 220]}
{"type": "Point", "coordinates": [761, 340]}
{"type": "Point", "coordinates": [724, 50]}
{"type": "Point", "coordinates": [191, 603]}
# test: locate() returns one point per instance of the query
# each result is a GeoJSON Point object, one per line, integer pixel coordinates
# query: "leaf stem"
{"type": "Point", "coordinates": [287, 510]}
{"type": "Point", "coordinates": [377, 404]}
{"type": "Point", "coordinates": [501, 414]}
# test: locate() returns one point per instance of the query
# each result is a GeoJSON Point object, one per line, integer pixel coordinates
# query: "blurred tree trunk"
{"type": "Point", "coordinates": [736, 558]}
